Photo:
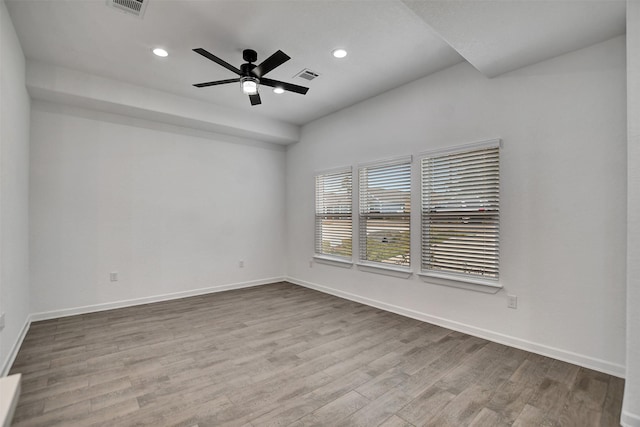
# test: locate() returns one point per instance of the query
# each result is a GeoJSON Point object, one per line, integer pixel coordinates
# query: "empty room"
{"type": "Point", "coordinates": [320, 213]}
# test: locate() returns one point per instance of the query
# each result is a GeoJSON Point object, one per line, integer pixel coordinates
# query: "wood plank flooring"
{"type": "Point", "coordinates": [283, 355]}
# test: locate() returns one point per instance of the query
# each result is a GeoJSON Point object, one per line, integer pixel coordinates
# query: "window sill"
{"type": "Point", "coordinates": [401, 272]}
{"type": "Point", "coordinates": [469, 283]}
{"type": "Point", "coordinates": [335, 261]}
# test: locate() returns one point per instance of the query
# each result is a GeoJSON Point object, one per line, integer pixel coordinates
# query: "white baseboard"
{"type": "Point", "coordinates": [556, 353]}
{"type": "Point", "coordinates": [6, 365]}
{"type": "Point", "coordinates": [629, 420]}
{"type": "Point", "coordinates": [11, 357]}
{"type": "Point", "coordinates": [146, 300]}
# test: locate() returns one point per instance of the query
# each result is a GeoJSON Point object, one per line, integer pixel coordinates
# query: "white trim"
{"type": "Point", "coordinates": [328, 259]}
{"type": "Point", "coordinates": [629, 420]}
{"type": "Point", "coordinates": [489, 143]}
{"type": "Point", "coordinates": [146, 300]}
{"type": "Point", "coordinates": [8, 363]}
{"type": "Point", "coordinates": [364, 264]}
{"type": "Point", "coordinates": [462, 282]}
{"type": "Point", "coordinates": [11, 357]}
{"type": "Point", "coordinates": [332, 171]}
{"type": "Point", "coordinates": [556, 353]}
{"type": "Point", "coordinates": [386, 162]}
{"type": "Point", "coordinates": [388, 270]}
{"type": "Point", "coordinates": [335, 261]}
{"type": "Point", "coordinates": [453, 279]}
{"type": "Point", "coordinates": [9, 391]}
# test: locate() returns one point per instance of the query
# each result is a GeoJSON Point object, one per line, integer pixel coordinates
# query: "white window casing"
{"type": "Point", "coordinates": [333, 218]}
{"type": "Point", "coordinates": [385, 214]}
{"type": "Point", "coordinates": [460, 213]}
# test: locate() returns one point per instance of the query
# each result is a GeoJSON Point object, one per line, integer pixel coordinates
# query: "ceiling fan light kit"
{"type": "Point", "coordinates": [251, 75]}
{"type": "Point", "coordinates": [249, 85]}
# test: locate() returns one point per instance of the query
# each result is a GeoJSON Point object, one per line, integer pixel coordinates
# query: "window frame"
{"type": "Point", "coordinates": [467, 281]}
{"type": "Point", "coordinates": [396, 270]}
{"type": "Point", "coordinates": [327, 258]}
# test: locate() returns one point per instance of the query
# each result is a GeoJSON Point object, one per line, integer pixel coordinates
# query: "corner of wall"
{"type": "Point", "coordinates": [14, 192]}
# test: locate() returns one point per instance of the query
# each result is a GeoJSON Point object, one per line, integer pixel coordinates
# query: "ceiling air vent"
{"type": "Point", "coordinates": [133, 7]}
{"type": "Point", "coordinates": [307, 74]}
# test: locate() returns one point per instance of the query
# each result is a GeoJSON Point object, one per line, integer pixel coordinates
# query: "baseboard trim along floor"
{"type": "Point", "coordinates": [55, 314]}
{"type": "Point", "coordinates": [544, 350]}
{"type": "Point", "coordinates": [285, 354]}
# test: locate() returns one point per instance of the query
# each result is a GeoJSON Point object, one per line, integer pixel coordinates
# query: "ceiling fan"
{"type": "Point", "coordinates": [251, 75]}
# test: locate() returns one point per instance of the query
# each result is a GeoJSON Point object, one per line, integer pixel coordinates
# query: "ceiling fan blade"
{"type": "Point", "coordinates": [286, 86]}
{"type": "Point", "coordinates": [255, 99]}
{"type": "Point", "coordinates": [275, 60]}
{"type": "Point", "coordinates": [217, 60]}
{"type": "Point", "coordinates": [217, 82]}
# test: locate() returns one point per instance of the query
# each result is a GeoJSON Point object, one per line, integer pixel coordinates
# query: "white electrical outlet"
{"type": "Point", "coordinates": [241, 264]}
{"type": "Point", "coordinates": [512, 301]}
{"type": "Point", "coordinates": [113, 276]}
{"type": "Point", "coordinates": [1, 321]}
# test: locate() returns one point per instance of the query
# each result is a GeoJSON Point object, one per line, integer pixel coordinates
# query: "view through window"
{"type": "Point", "coordinates": [461, 212]}
{"type": "Point", "coordinates": [333, 214]}
{"type": "Point", "coordinates": [385, 213]}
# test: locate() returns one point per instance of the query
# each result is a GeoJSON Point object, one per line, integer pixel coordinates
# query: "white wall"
{"type": "Point", "coordinates": [631, 407]}
{"type": "Point", "coordinates": [171, 210]}
{"type": "Point", "coordinates": [72, 87]}
{"type": "Point", "coordinates": [563, 196]}
{"type": "Point", "coordinates": [14, 175]}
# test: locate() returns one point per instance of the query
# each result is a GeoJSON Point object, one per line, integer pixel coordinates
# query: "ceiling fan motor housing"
{"type": "Point", "coordinates": [249, 55]}
{"type": "Point", "coordinates": [246, 69]}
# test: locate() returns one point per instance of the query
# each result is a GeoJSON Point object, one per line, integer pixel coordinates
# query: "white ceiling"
{"type": "Point", "coordinates": [388, 46]}
{"type": "Point", "coordinates": [390, 43]}
{"type": "Point", "coordinates": [501, 36]}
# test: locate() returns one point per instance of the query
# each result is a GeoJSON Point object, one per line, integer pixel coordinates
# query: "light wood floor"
{"type": "Point", "coordinates": [285, 355]}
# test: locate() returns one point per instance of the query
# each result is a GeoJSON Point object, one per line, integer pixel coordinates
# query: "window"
{"type": "Point", "coordinates": [385, 213]}
{"type": "Point", "coordinates": [461, 211]}
{"type": "Point", "coordinates": [333, 214]}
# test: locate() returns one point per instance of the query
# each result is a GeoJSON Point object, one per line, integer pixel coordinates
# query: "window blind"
{"type": "Point", "coordinates": [461, 212]}
{"type": "Point", "coordinates": [385, 212]}
{"type": "Point", "coordinates": [333, 234]}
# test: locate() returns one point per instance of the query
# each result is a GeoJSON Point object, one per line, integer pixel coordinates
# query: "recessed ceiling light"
{"type": "Point", "coordinates": [278, 90]}
{"type": "Point", "coordinates": [160, 52]}
{"type": "Point", "coordinates": [339, 53]}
